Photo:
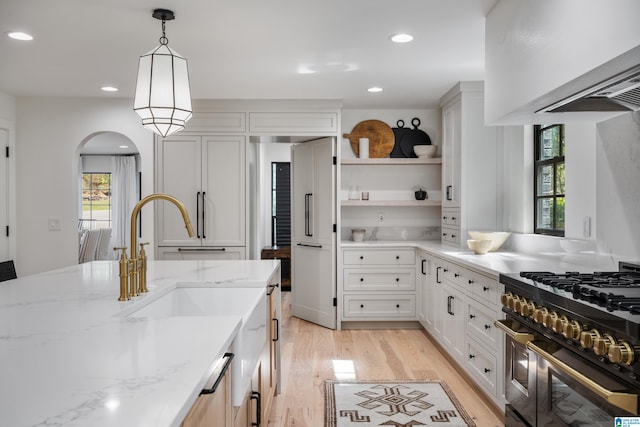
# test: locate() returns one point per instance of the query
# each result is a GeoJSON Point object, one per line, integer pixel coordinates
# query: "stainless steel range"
{"type": "Point", "coordinates": [572, 347]}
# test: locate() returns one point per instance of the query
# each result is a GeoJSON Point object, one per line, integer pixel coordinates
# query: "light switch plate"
{"type": "Point", "coordinates": [55, 224]}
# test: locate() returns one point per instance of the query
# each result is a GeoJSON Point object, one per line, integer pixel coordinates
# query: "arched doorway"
{"type": "Point", "coordinates": [109, 187]}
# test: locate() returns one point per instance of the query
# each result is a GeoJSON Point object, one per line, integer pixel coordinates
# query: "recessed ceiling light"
{"type": "Point", "coordinates": [401, 38]}
{"type": "Point", "coordinates": [124, 146]}
{"type": "Point", "coordinates": [109, 89]}
{"type": "Point", "coordinates": [375, 89]}
{"type": "Point", "coordinates": [19, 35]}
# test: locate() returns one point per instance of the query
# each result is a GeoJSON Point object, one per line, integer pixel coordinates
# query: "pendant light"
{"type": "Point", "coordinates": [163, 98]}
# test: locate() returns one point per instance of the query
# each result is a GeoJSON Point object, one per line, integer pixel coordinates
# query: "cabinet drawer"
{"type": "Point", "coordinates": [451, 235]}
{"type": "Point", "coordinates": [485, 288]}
{"type": "Point", "coordinates": [379, 307]}
{"type": "Point", "coordinates": [454, 274]}
{"type": "Point", "coordinates": [480, 324]}
{"type": "Point", "coordinates": [383, 257]}
{"type": "Point", "coordinates": [379, 279]}
{"type": "Point", "coordinates": [482, 366]}
{"type": "Point", "coordinates": [451, 217]}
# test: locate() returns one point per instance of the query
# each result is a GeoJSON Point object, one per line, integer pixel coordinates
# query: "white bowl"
{"type": "Point", "coordinates": [479, 247]}
{"type": "Point", "coordinates": [497, 237]}
{"type": "Point", "coordinates": [357, 235]}
{"type": "Point", "coordinates": [425, 151]}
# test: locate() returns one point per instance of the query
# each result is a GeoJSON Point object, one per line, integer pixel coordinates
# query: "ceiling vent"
{"type": "Point", "coordinates": [618, 93]}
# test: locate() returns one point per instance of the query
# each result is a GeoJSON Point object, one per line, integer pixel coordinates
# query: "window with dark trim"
{"type": "Point", "coordinates": [549, 187]}
{"type": "Point", "coordinates": [96, 200]}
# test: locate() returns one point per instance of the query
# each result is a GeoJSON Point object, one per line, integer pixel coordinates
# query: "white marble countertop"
{"type": "Point", "coordinates": [69, 358]}
{"type": "Point", "coordinates": [495, 263]}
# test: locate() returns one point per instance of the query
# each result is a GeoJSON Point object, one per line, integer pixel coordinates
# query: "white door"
{"type": "Point", "coordinates": [178, 172]}
{"type": "Point", "coordinates": [4, 197]}
{"type": "Point", "coordinates": [313, 289]}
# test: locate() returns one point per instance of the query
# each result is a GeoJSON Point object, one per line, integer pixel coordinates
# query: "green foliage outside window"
{"type": "Point", "coordinates": [549, 180]}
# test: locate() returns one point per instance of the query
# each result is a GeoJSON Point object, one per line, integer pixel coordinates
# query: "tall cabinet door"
{"type": "Point", "coordinates": [178, 172]}
{"type": "Point", "coordinates": [224, 191]}
{"type": "Point", "coordinates": [451, 162]}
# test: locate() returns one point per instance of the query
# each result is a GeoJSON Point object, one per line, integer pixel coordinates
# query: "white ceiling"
{"type": "Point", "coordinates": [249, 49]}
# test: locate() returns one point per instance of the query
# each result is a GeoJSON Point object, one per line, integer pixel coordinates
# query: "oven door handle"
{"type": "Point", "coordinates": [626, 401]}
{"type": "Point", "coordinates": [507, 326]}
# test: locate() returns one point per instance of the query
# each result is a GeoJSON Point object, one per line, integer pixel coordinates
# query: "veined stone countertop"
{"type": "Point", "coordinates": [495, 263]}
{"type": "Point", "coordinates": [70, 358]}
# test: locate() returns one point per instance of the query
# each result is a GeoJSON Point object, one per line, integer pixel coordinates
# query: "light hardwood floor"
{"type": "Point", "coordinates": [309, 352]}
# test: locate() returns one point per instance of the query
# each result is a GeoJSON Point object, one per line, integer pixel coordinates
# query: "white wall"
{"type": "Point", "coordinates": [533, 47]}
{"type": "Point", "coordinates": [50, 132]}
{"type": "Point", "coordinates": [517, 179]}
{"type": "Point", "coordinates": [617, 157]}
{"type": "Point", "coordinates": [580, 180]}
{"type": "Point", "coordinates": [7, 123]}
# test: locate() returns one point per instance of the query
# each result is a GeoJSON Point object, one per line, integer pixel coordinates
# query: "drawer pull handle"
{"type": "Point", "coordinates": [225, 367]}
{"type": "Point", "coordinates": [470, 282]}
{"type": "Point", "coordinates": [472, 356]}
{"type": "Point", "coordinates": [472, 316]}
{"type": "Point", "coordinates": [485, 288]}
{"type": "Point", "coordinates": [487, 327]}
{"type": "Point", "coordinates": [487, 370]}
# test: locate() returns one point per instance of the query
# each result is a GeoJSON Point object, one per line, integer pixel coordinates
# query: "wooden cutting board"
{"type": "Point", "coordinates": [381, 138]}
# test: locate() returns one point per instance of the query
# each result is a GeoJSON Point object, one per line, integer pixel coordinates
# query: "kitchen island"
{"type": "Point", "coordinates": [71, 356]}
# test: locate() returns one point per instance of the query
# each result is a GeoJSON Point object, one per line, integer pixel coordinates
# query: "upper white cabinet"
{"type": "Point", "coordinates": [207, 174]}
{"type": "Point", "coordinates": [471, 158]}
{"type": "Point", "coordinates": [293, 123]}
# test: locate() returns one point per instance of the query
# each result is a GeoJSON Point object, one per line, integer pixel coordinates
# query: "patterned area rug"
{"type": "Point", "coordinates": [392, 403]}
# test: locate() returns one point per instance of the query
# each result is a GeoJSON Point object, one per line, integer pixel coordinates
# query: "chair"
{"type": "Point", "coordinates": [7, 271]}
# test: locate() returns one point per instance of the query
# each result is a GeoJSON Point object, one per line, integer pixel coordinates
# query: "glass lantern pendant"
{"type": "Point", "coordinates": [163, 98]}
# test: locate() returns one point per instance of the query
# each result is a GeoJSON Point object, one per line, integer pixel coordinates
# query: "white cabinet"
{"type": "Point", "coordinates": [379, 284]}
{"type": "Point", "coordinates": [460, 308]}
{"type": "Point", "coordinates": [207, 174]}
{"type": "Point", "coordinates": [198, 253]}
{"type": "Point", "coordinates": [471, 154]}
{"type": "Point", "coordinates": [293, 123]}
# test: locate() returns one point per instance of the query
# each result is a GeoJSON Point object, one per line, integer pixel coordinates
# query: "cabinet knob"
{"type": "Point", "coordinates": [361, 305]}
{"type": "Point", "coordinates": [487, 370]}
{"type": "Point", "coordinates": [485, 288]}
{"type": "Point", "coordinates": [444, 234]}
{"type": "Point", "coordinates": [361, 257]}
{"type": "Point", "coordinates": [472, 316]}
{"type": "Point", "coordinates": [453, 236]}
{"type": "Point", "coordinates": [444, 218]}
{"type": "Point", "coordinates": [456, 275]}
{"type": "Point", "coordinates": [397, 279]}
{"type": "Point", "coordinates": [397, 256]}
{"type": "Point", "coordinates": [453, 218]}
{"type": "Point", "coordinates": [472, 356]}
{"type": "Point", "coordinates": [397, 305]}
{"type": "Point", "coordinates": [362, 279]}
{"type": "Point", "coordinates": [470, 281]}
{"type": "Point", "coordinates": [487, 327]}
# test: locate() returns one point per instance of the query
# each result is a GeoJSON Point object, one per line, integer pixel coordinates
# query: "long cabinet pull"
{"type": "Point", "coordinates": [202, 249]}
{"type": "Point", "coordinates": [308, 206]}
{"type": "Point", "coordinates": [424, 263]}
{"type": "Point", "coordinates": [203, 216]}
{"type": "Point", "coordinates": [277, 338]}
{"type": "Point", "coordinates": [449, 299]}
{"type": "Point", "coordinates": [229, 357]}
{"type": "Point", "coordinates": [438, 274]}
{"type": "Point", "coordinates": [256, 396]}
{"type": "Point", "coordinates": [198, 215]}
{"type": "Point", "coordinates": [310, 246]}
{"type": "Point", "coordinates": [449, 191]}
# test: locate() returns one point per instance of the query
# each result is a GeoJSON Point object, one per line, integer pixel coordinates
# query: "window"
{"type": "Point", "coordinates": [549, 189]}
{"type": "Point", "coordinates": [96, 201]}
{"type": "Point", "coordinates": [280, 204]}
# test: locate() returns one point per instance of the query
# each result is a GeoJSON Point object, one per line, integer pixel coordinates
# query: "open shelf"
{"type": "Point", "coordinates": [393, 161]}
{"type": "Point", "coordinates": [391, 202]}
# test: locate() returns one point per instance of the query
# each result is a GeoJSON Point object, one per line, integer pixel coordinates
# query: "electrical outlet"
{"type": "Point", "coordinates": [380, 217]}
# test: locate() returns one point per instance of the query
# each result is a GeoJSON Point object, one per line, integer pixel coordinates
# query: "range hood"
{"type": "Point", "coordinates": [618, 93]}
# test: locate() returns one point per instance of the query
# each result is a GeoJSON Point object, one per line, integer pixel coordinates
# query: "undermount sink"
{"type": "Point", "coordinates": [249, 303]}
